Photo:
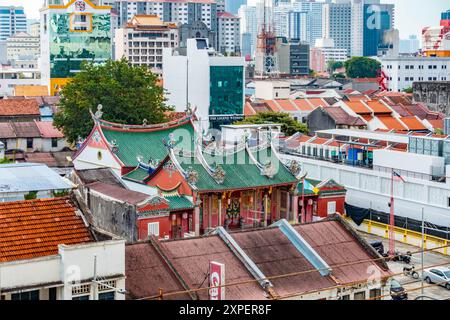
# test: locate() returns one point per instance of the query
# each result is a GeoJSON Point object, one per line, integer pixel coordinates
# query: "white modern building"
{"type": "Point", "coordinates": [208, 81]}
{"type": "Point", "coordinates": [423, 167]}
{"type": "Point", "coordinates": [410, 45]}
{"type": "Point", "coordinates": [22, 46]}
{"type": "Point", "coordinates": [324, 52]}
{"type": "Point", "coordinates": [91, 271]}
{"type": "Point", "coordinates": [248, 26]}
{"type": "Point", "coordinates": [142, 41]}
{"type": "Point", "coordinates": [229, 33]}
{"type": "Point", "coordinates": [12, 77]}
{"type": "Point", "coordinates": [402, 71]}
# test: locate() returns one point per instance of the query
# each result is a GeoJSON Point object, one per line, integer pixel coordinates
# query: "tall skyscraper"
{"type": "Point", "coordinates": [410, 45]}
{"type": "Point", "coordinates": [12, 20]}
{"type": "Point", "coordinates": [299, 20]}
{"type": "Point", "coordinates": [232, 6]}
{"type": "Point", "coordinates": [337, 19]}
{"type": "Point", "coordinates": [370, 19]}
{"type": "Point", "coordinates": [249, 27]}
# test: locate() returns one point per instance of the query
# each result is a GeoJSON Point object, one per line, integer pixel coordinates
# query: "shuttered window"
{"type": "Point", "coordinates": [153, 229]}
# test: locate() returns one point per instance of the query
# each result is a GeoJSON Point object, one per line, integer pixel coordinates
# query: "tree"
{"type": "Point", "coordinates": [362, 67]}
{"type": "Point", "coordinates": [333, 65]}
{"type": "Point", "coordinates": [408, 90]}
{"type": "Point", "coordinates": [289, 125]}
{"type": "Point", "coordinates": [128, 95]}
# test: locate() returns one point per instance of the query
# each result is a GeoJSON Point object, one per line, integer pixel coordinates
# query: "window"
{"type": "Point", "coordinates": [29, 143]}
{"type": "Point", "coordinates": [360, 295]}
{"type": "Point", "coordinates": [106, 296]}
{"type": "Point", "coordinates": [345, 297]}
{"type": "Point", "coordinates": [52, 293]}
{"type": "Point", "coordinates": [80, 22]}
{"type": "Point", "coordinates": [153, 229]}
{"type": "Point", "coordinates": [331, 207]}
{"type": "Point", "coordinates": [81, 298]}
{"type": "Point", "coordinates": [375, 294]}
{"type": "Point", "coordinates": [54, 142]}
{"type": "Point", "coordinates": [448, 202]}
{"type": "Point", "coordinates": [29, 295]}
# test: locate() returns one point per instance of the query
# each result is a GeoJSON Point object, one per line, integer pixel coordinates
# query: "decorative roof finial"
{"type": "Point", "coordinates": [99, 113]}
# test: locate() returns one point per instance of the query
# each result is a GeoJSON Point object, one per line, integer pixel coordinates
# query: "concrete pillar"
{"type": "Point", "coordinates": [197, 220]}
{"type": "Point", "coordinates": [220, 209]}
{"type": "Point", "coordinates": [295, 208]}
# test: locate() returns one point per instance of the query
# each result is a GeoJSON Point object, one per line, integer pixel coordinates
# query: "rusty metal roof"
{"type": "Point", "coordinates": [191, 259]}
{"type": "Point", "coordinates": [147, 272]}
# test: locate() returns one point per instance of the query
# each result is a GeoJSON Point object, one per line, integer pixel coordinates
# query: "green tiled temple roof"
{"type": "Point", "coordinates": [149, 144]}
{"type": "Point", "coordinates": [177, 202]}
{"type": "Point", "coordinates": [137, 174]}
{"type": "Point", "coordinates": [240, 171]}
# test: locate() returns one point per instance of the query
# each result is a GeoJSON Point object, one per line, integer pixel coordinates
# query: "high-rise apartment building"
{"type": "Point", "coordinates": [336, 23]}
{"type": "Point", "coordinates": [249, 27]}
{"type": "Point", "coordinates": [142, 41]}
{"type": "Point", "coordinates": [229, 33]}
{"type": "Point", "coordinates": [299, 20]}
{"type": "Point", "coordinates": [12, 20]}
{"type": "Point", "coordinates": [184, 12]}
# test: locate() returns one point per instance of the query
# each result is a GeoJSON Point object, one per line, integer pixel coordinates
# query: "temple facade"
{"type": "Point", "coordinates": [205, 184]}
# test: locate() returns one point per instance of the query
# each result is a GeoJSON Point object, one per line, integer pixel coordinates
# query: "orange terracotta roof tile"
{"type": "Point", "coordinates": [14, 107]}
{"type": "Point", "coordinates": [248, 109]}
{"type": "Point", "coordinates": [392, 123]}
{"type": "Point", "coordinates": [358, 107]}
{"type": "Point", "coordinates": [34, 228]}
{"type": "Point", "coordinates": [303, 104]}
{"type": "Point", "coordinates": [437, 123]}
{"type": "Point", "coordinates": [367, 117]}
{"type": "Point", "coordinates": [378, 107]}
{"type": "Point", "coordinates": [318, 102]}
{"type": "Point", "coordinates": [272, 105]}
{"type": "Point", "coordinates": [318, 140]}
{"type": "Point", "coordinates": [286, 105]}
{"type": "Point", "coordinates": [413, 124]}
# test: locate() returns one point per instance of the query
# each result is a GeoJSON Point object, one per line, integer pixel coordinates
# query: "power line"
{"type": "Point", "coordinates": [295, 274]}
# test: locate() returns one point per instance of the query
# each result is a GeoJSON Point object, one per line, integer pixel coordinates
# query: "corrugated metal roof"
{"type": "Point", "coordinates": [25, 177]}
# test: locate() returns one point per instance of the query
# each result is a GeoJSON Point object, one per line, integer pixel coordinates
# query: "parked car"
{"type": "Point", "coordinates": [440, 275]}
{"type": "Point", "coordinates": [397, 291]}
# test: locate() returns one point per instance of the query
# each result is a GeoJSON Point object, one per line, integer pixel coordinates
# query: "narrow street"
{"type": "Point", "coordinates": [413, 286]}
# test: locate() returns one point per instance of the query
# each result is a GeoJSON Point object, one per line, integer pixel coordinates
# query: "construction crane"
{"type": "Point", "coordinates": [266, 65]}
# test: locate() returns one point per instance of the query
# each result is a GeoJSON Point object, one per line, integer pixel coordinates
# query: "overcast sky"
{"type": "Point", "coordinates": [410, 15]}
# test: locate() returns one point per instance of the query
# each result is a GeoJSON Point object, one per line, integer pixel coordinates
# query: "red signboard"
{"type": "Point", "coordinates": [216, 278]}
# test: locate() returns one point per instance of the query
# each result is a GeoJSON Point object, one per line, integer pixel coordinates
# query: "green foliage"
{"type": "Point", "coordinates": [339, 76]}
{"type": "Point", "coordinates": [333, 65]}
{"type": "Point", "coordinates": [31, 195]}
{"type": "Point", "coordinates": [128, 94]}
{"type": "Point", "coordinates": [362, 67]}
{"type": "Point", "coordinates": [5, 161]}
{"type": "Point", "coordinates": [438, 131]}
{"type": "Point", "coordinates": [408, 90]}
{"type": "Point", "coordinates": [289, 125]}
{"type": "Point", "coordinates": [60, 194]}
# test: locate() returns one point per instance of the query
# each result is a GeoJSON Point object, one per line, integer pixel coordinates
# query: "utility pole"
{"type": "Point", "coordinates": [423, 247]}
{"type": "Point", "coordinates": [392, 219]}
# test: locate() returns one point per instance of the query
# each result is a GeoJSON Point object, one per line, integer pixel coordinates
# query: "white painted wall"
{"type": "Point", "coordinates": [371, 189]}
{"type": "Point", "coordinates": [72, 263]}
{"type": "Point", "coordinates": [409, 161]}
{"type": "Point", "coordinates": [271, 90]}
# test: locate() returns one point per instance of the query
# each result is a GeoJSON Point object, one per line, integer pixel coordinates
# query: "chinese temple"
{"type": "Point", "coordinates": [206, 184]}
